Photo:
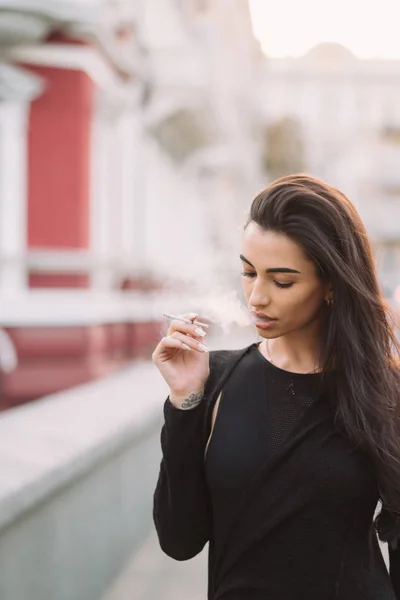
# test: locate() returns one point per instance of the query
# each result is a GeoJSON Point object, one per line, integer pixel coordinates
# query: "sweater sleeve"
{"type": "Point", "coordinates": [181, 507]}
{"type": "Point", "coordinates": [387, 525]}
{"type": "Point", "coordinates": [181, 504]}
{"type": "Point", "coordinates": [394, 569]}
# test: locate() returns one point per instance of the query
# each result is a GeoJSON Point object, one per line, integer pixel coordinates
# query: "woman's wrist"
{"type": "Point", "coordinates": [186, 401]}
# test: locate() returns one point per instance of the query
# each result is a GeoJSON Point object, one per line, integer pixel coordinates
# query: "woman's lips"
{"type": "Point", "coordinates": [262, 322]}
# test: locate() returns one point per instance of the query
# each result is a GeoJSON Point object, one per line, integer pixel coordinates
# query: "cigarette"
{"type": "Point", "coordinates": [185, 320]}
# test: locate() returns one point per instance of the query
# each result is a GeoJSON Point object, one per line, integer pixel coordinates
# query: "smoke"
{"type": "Point", "coordinates": [220, 305]}
{"type": "Point", "coordinates": [208, 284]}
{"type": "Point", "coordinates": [224, 308]}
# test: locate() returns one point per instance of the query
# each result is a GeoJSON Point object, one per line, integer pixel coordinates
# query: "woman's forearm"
{"type": "Point", "coordinates": [181, 509]}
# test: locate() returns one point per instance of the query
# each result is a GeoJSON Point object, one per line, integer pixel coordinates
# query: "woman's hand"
{"type": "Point", "coordinates": [183, 361]}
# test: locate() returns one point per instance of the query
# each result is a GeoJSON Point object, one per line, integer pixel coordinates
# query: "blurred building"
{"type": "Point", "coordinates": [202, 134]}
{"type": "Point", "coordinates": [129, 150]}
{"type": "Point", "coordinates": [338, 118]}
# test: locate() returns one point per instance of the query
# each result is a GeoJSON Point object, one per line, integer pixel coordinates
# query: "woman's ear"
{"type": "Point", "coordinates": [329, 295]}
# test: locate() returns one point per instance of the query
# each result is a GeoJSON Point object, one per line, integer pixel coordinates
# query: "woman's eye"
{"type": "Point", "coordinates": [278, 284]}
{"type": "Point", "coordinates": [283, 285]}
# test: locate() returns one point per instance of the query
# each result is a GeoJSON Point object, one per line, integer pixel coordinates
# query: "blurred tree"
{"type": "Point", "coordinates": [284, 148]}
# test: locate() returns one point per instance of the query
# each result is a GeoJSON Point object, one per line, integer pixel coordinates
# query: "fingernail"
{"type": "Point", "coordinates": [203, 347]}
{"type": "Point", "coordinates": [200, 331]}
{"type": "Point", "coordinates": [186, 346]}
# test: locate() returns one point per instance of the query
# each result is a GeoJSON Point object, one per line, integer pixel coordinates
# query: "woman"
{"type": "Point", "coordinates": [277, 454]}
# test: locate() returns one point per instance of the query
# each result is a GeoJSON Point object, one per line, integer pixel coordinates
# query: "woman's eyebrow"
{"type": "Point", "coordinates": [272, 270]}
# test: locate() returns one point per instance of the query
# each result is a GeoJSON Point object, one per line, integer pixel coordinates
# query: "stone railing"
{"type": "Point", "coordinates": [77, 474]}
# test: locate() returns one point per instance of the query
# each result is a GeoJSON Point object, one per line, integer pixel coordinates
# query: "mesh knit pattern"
{"type": "Point", "coordinates": [289, 395]}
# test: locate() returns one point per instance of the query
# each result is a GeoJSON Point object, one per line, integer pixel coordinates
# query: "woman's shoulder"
{"type": "Point", "coordinates": [222, 362]}
{"type": "Point", "coordinates": [220, 359]}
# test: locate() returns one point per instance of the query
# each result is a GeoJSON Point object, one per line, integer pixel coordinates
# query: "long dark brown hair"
{"type": "Point", "coordinates": [360, 350]}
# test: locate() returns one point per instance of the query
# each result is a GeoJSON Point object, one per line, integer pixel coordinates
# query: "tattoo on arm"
{"type": "Point", "coordinates": [193, 401]}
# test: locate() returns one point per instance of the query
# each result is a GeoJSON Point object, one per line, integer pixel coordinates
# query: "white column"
{"type": "Point", "coordinates": [141, 169]}
{"type": "Point", "coordinates": [129, 137]}
{"type": "Point", "coordinates": [13, 196]}
{"type": "Point", "coordinates": [17, 89]}
{"type": "Point", "coordinates": [118, 189]}
{"type": "Point", "coordinates": [104, 196]}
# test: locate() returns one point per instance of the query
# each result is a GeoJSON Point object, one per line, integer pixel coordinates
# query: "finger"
{"type": "Point", "coordinates": [191, 316]}
{"type": "Point", "coordinates": [185, 328]}
{"type": "Point", "coordinates": [194, 318]}
{"type": "Point", "coordinates": [173, 343]}
{"type": "Point", "coordinates": [195, 345]}
{"type": "Point", "coordinates": [170, 342]}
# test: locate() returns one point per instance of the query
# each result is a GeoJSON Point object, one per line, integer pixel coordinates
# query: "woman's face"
{"type": "Point", "coordinates": [280, 282]}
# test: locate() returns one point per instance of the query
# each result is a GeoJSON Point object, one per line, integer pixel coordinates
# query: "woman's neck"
{"type": "Point", "coordinates": [298, 351]}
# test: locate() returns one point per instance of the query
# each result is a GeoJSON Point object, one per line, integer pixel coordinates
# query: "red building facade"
{"type": "Point", "coordinates": [69, 91]}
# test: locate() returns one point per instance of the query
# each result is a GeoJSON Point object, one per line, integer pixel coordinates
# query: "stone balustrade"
{"type": "Point", "coordinates": [77, 474]}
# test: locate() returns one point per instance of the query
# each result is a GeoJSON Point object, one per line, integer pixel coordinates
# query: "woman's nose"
{"type": "Point", "coordinates": [258, 297]}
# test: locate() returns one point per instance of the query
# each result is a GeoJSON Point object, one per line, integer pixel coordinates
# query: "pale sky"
{"type": "Point", "coordinates": [370, 28]}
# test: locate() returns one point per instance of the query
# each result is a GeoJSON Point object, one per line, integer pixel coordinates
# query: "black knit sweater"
{"type": "Point", "coordinates": [299, 525]}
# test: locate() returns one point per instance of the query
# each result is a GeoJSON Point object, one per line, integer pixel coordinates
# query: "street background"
{"type": "Point", "coordinates": [134, 135]}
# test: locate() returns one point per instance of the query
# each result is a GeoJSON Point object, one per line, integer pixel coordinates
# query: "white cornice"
{"type": "Point", "coordinates": [64, 11]}
{"type": "Point", "coordinates": [65, 56]}
{"type": "Point", "coordinates": [16, 27]}
{"type": "Point", "coordinates": [29, 22]}
{"type": "Point", "coordinates": [89, 12]}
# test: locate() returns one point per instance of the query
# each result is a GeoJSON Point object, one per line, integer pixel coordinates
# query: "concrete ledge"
{"type": "Point", "coordinates": [77, 474]}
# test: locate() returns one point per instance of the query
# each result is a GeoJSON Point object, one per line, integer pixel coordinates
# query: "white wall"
{"type": "Point", "coordinates": [177, 244]}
